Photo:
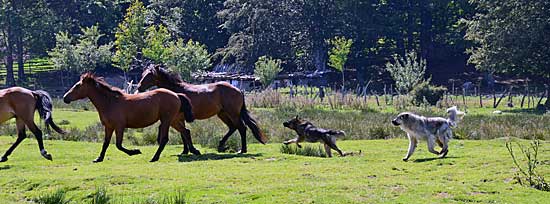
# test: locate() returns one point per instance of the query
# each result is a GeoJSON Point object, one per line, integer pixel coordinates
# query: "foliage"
{"type": "Point", "coordinates": [267, 69]}
{"type": "Point", "coordinates": [100, 196]}
{"type": "Point", "coordinates": [425, 92]}
{"type": "Point", "coordinates": [57, 197]}
{"type": "Point", "coordinates": [63, 55]}
{"type": "Point", "coordinates": [306, 150]}
{"type": "Point", "coordinates": [130, 35]}
{"type": "Point", "coordinates": [510, 36]}
{"type": "Point", "coordinates": [406, 71]}
{"type": "Point", "coordinates": [187, 58]}
{"type": "Point", "coordinates": [338, 54]}
{"type": "Point", "coordinates": [529, 174]}
{"type": "Point", "coordinates": [85, 55]}
{"type": "Point", "coordinates": [156, 43]}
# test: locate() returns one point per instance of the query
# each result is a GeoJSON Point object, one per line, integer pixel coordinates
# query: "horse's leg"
{"type": "Point", "coordinates": [106, 142]}
{"type": "Point", "coordinates": [21, 135]}
{"type": "Point", "coordinates": [186, 137]}
{"type": "Point", "coordinates": [119, 137]}
{"type": "Point", "coordinates": [38, 135]}
{"type": "Point", "coordinates": [242, 132]}
{"type": "Point", "coordinates": [232, 129]}
{"type": "Point", "coordinates": [163, 138]}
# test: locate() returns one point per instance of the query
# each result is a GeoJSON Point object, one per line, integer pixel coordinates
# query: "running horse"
{"type": "Point", "coordinates": [21, 103]}
{"type": "Point", "coordinates": [118, 111]}
{"type": "Point", "coordinates": [220, 98]}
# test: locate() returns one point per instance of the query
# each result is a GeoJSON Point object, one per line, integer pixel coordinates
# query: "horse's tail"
{"type": "Point", "coordinates": [252, 124]}
{"type": "Point", "coordinates": [186, 108]}
{"type": "Point", "coordinates": [44, 107]}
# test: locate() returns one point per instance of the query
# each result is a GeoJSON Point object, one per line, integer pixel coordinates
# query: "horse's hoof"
{"type": "Point", "coordinates": [185, 151]}
{"type": "Point", "coordinates": [135, 152]}
{"type": "Point", "coordinates": [196, 152]}
{"type": "Point", "coordinates": [242, 151]}
{"type": "Point", "coordinates": [97, 160]}
{"type": "Point", "coordinates": [405, 159]}
{"type": "Point", "coordinates": [221, 149]}
{"type": "Point", "coordinates": [154, 160]}
{"type": "Point", "coordinates": [3, 159]}
{"type": "Point", "coordinates": [47, 156]}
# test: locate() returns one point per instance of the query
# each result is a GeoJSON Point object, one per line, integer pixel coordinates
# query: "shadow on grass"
{"type": "Point", "coordinates": [534, 111]}
{"type": "Point", "coordinates": [6, 167]}
{"type": "Point", "coordinates": [213, 156]}
{"type": "Point", "coordinates": [431, 159]}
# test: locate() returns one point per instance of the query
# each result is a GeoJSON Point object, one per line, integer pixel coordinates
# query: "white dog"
{"type": "Point", "coordinates": [432, 129]}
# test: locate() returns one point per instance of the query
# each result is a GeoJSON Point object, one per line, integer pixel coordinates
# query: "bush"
{"type": "Point", "coordinates": [407, 71]}
{"type": "Point", "coordinates": [527, 174]}
{"type": "Point", "coordinates": [187, 58]}
{"type": "Point", "coordinates": [424, 92]}
{"type": "Point", "coordinates": [58, 197]}
{"type": "Point", "coordinates": [307, 150]}
{"type": "Point", "coordinates": [267, 69]}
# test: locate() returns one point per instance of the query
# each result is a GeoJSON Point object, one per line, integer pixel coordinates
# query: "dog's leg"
{"type": "Point", "coordinates": [431, 144]}
{"type": "Point", "coordinates": [290, 141]}
{"type": "Point", "coordinates": [412, 146]}
{"type": "Point", "coordinates": [445, 143]}
{"type": "Point", "coordinates": [332, 144]}
{"type": "Point", "coordinates": [328, 150]}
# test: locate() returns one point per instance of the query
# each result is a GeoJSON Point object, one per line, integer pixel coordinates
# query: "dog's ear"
{"type": "Point", "coordinates": [297, 117]}
{"type": "Point", "coordinates": [405, 116]}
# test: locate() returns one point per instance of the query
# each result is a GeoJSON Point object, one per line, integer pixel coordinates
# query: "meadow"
{"type": "Point", "coordinates": [478, 168]}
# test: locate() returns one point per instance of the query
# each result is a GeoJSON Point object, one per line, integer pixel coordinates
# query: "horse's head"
{"type": "Point", "coordinates": [80, 89]}
{"type": "Point", "coordinates": [149, 78]}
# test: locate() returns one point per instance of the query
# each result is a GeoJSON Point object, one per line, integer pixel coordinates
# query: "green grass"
{"type": "Point", "coordinates": [476, 171]}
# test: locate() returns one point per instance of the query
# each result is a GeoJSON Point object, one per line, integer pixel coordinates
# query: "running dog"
{"type": "Point", "coordinates": [308, 132]}
{"type": "Point", "coordinates": [432, 129]}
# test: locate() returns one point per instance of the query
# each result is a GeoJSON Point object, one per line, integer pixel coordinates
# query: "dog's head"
{"type": "Point", "coordinates": [401, 118]}
{"type": "Point", "coordinates": [294, 123]}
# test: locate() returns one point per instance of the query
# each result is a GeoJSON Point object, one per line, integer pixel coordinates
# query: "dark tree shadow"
{"type": "Point", "coordinates": [431, 159]}
{"type": "Point", "coordinates": [213, 156]}
{"type": "Point", "coordinates": [534, 111]}
{"type": "Point", "coordinates": [6, 167]}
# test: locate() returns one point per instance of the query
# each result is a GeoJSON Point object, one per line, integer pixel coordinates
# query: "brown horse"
{"type": "Point", "coordinates": [219, 98]}
{"type": "Point", "coordinates": [20, 103]}
{"type": "Point", "coordinates": [118, 111]}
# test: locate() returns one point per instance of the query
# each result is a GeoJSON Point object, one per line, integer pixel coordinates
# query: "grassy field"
{"type": "Point", "coordinates": [476, 171]}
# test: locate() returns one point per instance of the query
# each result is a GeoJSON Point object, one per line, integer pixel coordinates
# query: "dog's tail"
{"type": "Point", "coordinates": [337, 133]}
{"type": "Point", "coordinates": [455, 115]}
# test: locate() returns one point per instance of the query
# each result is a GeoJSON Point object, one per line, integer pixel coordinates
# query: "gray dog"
{"type": "Point", "coordinates": [433, 129]}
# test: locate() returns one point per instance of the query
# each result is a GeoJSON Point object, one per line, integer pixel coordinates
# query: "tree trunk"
{"type": "Point", "coordinates": [547, 103]}
{"type": "Point", "coordinates": [10, 80]}
{"type": "Point", "coordinates": [20, 63]}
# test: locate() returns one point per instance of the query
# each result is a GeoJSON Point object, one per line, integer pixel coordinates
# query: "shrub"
{"type": "Point", "coordinates": [267, 69]}
{"type": "Point", "coordinates": [58, 197]}
{"type": "Point", "coordinates": [100, 196]}
{"type": "Point", "coordinates": [424, 92]}
{"type": "Point", "coordinates": [407, 71]}
{"type": "Point", "coordinates": [307, 150]}
{"type": "Point", "coordinates": [528, 175]}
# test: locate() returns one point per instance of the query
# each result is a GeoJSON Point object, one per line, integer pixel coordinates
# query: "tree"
{"type": "Point", "coordinates": [86, 54]}
{"type": "Point", "coordinates": [267, 69]}
{"type": "Point", "coordinates": [187, 58]}
{"type": "Point", "coordinates": [511, 37]}
{"type": "Point", "coordinates": [338, 55]}
{"type": "Point", "coordinates": [156, 43]}
{"type": "Point", "coordinates": [130, 35]}
{"type": "Point", "coordinates": [407, 71]}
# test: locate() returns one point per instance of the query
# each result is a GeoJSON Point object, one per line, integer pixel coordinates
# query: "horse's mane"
{"type": "Point", "coordinates": [102, 84]}
{"type": "Point", "coordinates": [170, 76]}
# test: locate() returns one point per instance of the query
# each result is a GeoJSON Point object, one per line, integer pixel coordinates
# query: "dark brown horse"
{"type": "Point", "coordinates": [221, 99]}
{"type": "Point", "coordinates": [118, 111]}
{"type": "Point", "coordinates": [20, 103]}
